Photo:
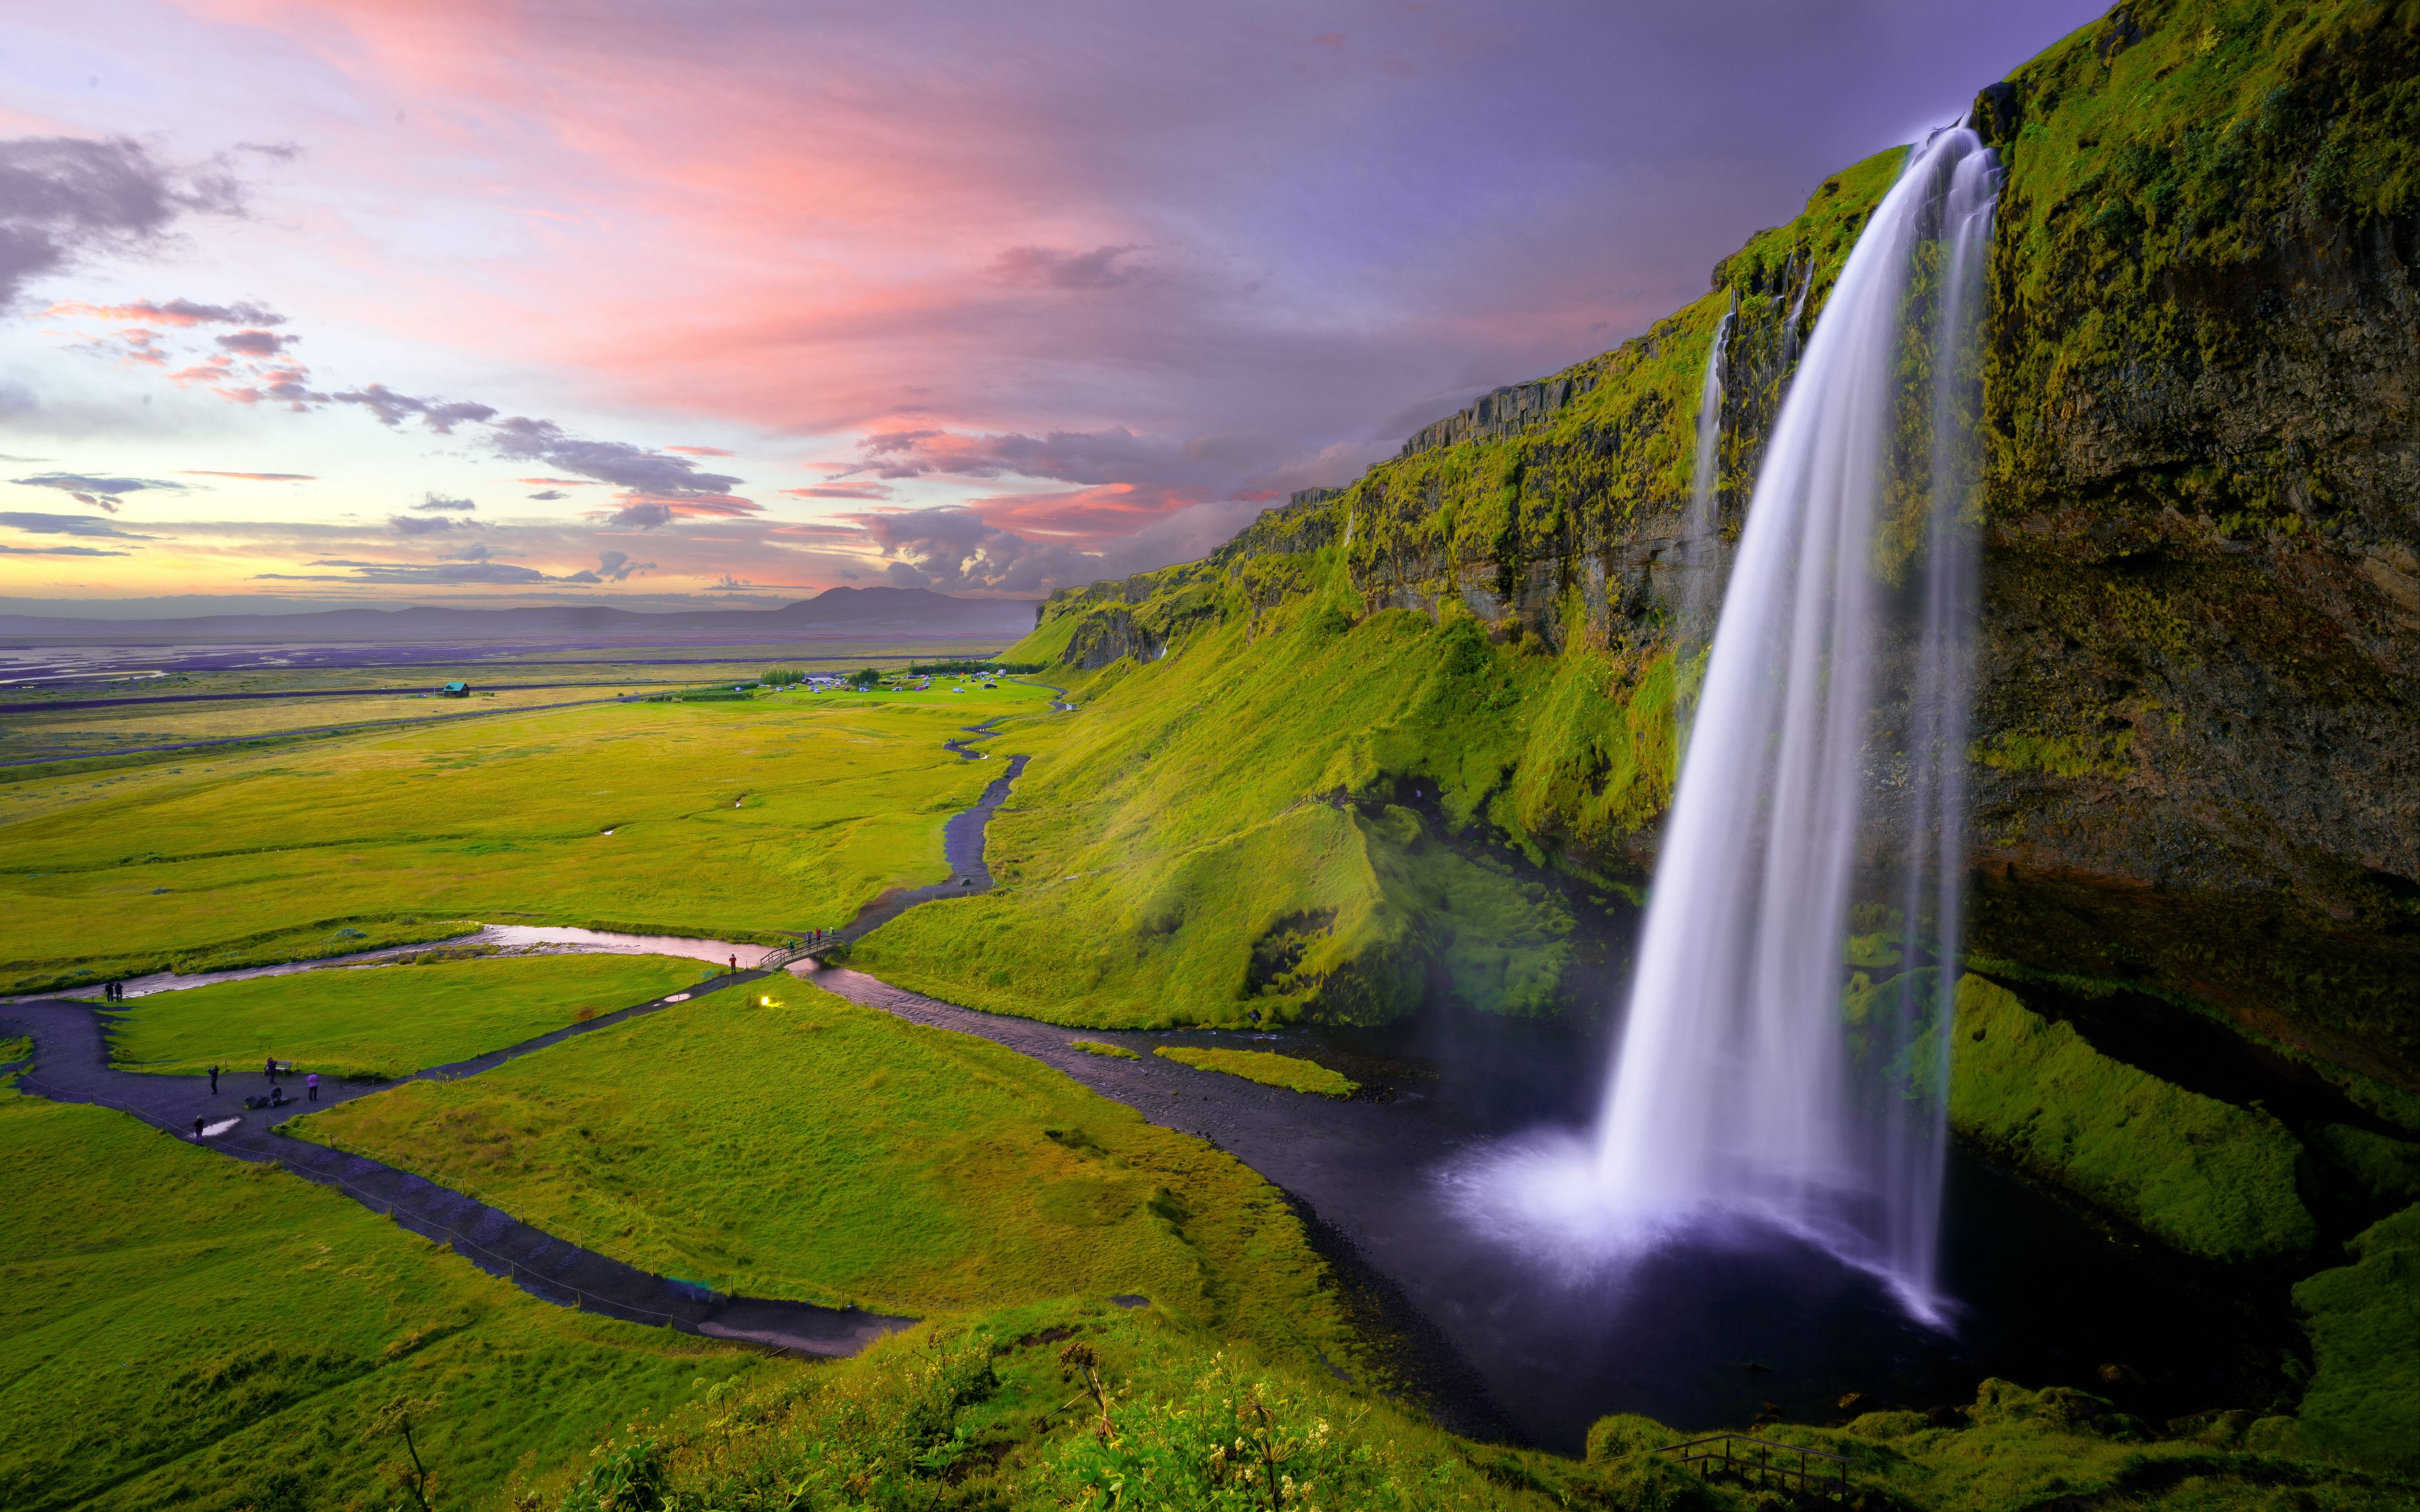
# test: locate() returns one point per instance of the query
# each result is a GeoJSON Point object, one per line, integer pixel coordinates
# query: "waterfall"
{"type": "Point", "coordinates": [1797, 308]}
{"type": "Point", "coordinates": [1701, 539]}
{"type": "Point", "coordinates": [1737, 1090]}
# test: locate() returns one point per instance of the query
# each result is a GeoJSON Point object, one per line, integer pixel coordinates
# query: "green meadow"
{"type": "Point", "coordinates": [180, 1330]}
{"type": "Point", "coordinates": [1292, 1072]}
{"type": "Point", "coordinates": [386, 1020]}
{"type": "Point", "coordinates": [740, 819]}
{"type": "Point", "coordinates": [823, 1152]}
{"type": "Point", "coordinates": [70, 732]}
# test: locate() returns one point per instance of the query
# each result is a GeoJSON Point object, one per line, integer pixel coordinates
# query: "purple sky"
{"type": "Point", "coordinates": [688, 302]}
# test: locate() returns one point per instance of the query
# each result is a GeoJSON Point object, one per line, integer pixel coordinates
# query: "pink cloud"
{"type": "Point", "coordinates": [860, 492]}
{"type": "Point", "coordinates": [172, 313]}
{"type": "Point", "coordinates": [1083, 517]}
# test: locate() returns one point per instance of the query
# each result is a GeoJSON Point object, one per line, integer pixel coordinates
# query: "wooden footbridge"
{"type": "Point", "coordinates": [1767, 1462]}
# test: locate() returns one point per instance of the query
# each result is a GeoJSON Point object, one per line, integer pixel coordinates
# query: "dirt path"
{"type": "Point", "coordinates": [70, 1064]}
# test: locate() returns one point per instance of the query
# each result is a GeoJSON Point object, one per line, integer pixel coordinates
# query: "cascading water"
{"type": "Point", "coordinates": [1797, 308]}
{"type": "Point", "coordinates": [1733, 1090]}
{"type": "Point", "coordinates": [1702, 544]}
{"type": "Point", "coordinates": [1743, 1090]}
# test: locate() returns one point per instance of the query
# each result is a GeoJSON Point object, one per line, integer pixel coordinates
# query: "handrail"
{"type": "Point", "coordinates": [1831, 1480]}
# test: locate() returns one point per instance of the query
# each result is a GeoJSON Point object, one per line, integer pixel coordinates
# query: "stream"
{"type": "Point", "coordinates": [1495, 1339]}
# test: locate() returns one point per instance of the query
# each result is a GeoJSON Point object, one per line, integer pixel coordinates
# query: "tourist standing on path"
{"type": "Point", "coordinates": [270, 1068]}
{"type": "Point", "coordinates": [214, 1081]}
{"type": "Point", "coordinates": [735, 966]}
{"type": "Point", "coordinates": [197, 1128]}
{"type": "Point", "coordinates": [312, 1082]}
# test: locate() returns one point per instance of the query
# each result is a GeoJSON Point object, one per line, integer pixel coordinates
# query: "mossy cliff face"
{"type": "Point", "coordinates": [2201, 667]}
{"type": "Point", "coordinates": [2196, 765]}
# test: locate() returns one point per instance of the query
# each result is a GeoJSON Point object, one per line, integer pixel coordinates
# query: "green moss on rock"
{"type": "Point", "coordinates": [2363, 1319]}
{"type": "Point", "coordinates": [2201, 1175]}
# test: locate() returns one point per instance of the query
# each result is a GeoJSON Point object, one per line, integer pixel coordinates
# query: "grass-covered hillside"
{"type": "Point", "coordinates": [1370, 753]}
{"type": "Point", "coordinates": [1088, 1406]}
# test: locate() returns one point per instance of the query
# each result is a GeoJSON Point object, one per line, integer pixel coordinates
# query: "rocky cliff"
{"type": "Point", "coordinates": [2197, 757]}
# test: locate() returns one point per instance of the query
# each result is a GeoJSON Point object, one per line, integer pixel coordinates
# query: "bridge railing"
{"type": "Point", "coordinates": [1792, 1466]}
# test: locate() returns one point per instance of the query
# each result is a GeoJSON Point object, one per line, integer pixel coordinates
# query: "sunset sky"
{"type": "Point", "coordinates": [656, 303]}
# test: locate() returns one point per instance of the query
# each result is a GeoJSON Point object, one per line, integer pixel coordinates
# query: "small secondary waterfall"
{"type": "Point", "coordinates": [1702, 541]}
{"type": "Point", "coordinates": [1797, 308]}
{"type": "Point", "coordinates": [1738, 1089]}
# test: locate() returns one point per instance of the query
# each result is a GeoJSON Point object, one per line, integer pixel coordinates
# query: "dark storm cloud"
{"type": "Point", "coordinates": [34, 524]}
{"type": "Point", "coordinates": [393, 409]}
{"type": "Point", "coordinates": [440, 502]}
{"type": "Point", "coordinates": [101, 493]}
{"type": "Point", "coordinates": [63, 198]}
{"type": "Point", "coordinates": [427, 524]}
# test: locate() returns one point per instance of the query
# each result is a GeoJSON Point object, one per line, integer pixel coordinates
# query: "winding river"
{"type": "Point", "coordinates": [1494, 1341]}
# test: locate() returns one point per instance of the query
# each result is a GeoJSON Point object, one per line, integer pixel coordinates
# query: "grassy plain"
{"type": "Point", "coordinates": [388, 1020]}
{"type": "Point", "coordinates": [1292, 1072]}
{"type": "Point", "coordinates": [70, 732]}
{"type": "Point", "coordinates": [740, 820]}
{"type": "Point", "coordinates": [181, 1330]}
{"type": "Point", "coordinates": [830, 1152]}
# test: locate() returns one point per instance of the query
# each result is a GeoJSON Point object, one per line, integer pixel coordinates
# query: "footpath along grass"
{"type": "Point", "coordinates": [387, 1020]}
{"type": "Point", "coordinates": [833, 1153]}
{"type": "Point", "coordinates": [180, 1330]}
{"type": "Point", "coordinates": [1292, 1072]}
{"type": "Point", "coordinates": [734, 820]}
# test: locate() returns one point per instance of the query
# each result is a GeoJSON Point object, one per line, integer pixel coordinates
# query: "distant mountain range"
{"type": "Point", "coordinates": [899, 613]}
